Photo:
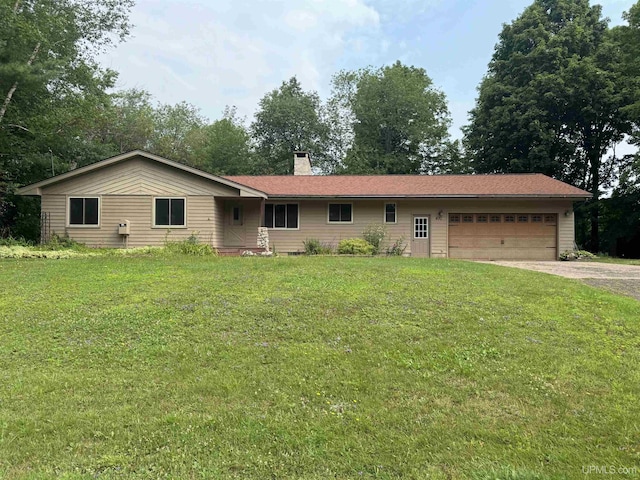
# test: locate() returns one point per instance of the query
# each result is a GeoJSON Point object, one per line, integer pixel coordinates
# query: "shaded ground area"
{"type": "Point", "coordinates": [617, 278]}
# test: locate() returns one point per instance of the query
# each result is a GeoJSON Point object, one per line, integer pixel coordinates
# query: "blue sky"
{"type": "Point", "coordinates": [214, 53]}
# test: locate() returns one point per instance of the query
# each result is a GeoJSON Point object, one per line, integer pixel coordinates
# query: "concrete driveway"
{"type": "Point", "coordinates": [617, 278]}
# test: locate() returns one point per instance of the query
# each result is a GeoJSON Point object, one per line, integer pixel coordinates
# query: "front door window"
{"type": "Point", "coordinates": [236, 215]}
{"type": "Point", "coordinates": [421, 227]}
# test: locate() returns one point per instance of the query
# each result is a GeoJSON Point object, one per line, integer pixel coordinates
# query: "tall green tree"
{"type": "Point", "coordinates": [55, 41]}
{"type": "Point", "coordinates": [621, 213]}
{"type": "Point", "coordinates": [51, 89]}
{"type": "Point", "coordinates": [175, 131]}
{"type": "Point", "coordinates": [129, 122]}
{"type": "Point", "coordinates": [288, 119]}
{"type": "Point", "coordinates": [627, 38]}
{"type": "Point", "coordinates": [399, 120]}
{"type": "Point", "coordinates": [553, 99]}
{"type": "Point", "coordinates": [224, 146]}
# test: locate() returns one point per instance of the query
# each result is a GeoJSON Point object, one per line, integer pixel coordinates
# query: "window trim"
{"type": "Point", "coordinates": [286, 216]}
{"type": "Point", "coordinates": [153, 212]}
{"type": "Point", "coordinates": [74, 225]}
{"type": "Point", "coordinates": [384, 213]}
{"type": "Point", "coordinates": [339, 222]}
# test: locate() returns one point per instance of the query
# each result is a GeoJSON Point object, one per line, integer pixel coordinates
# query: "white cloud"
{"type": "Point", "coordinates": [216, 53]}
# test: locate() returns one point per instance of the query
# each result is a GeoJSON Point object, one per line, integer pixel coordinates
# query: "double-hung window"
{"type": "Point", "coordinates": [281, 215]}
{"type": "Point", "coordinates": [84, 211]}
{"type": "Point", "coordinates": [389, 213]}
{"type": "Point", "coordinates": [169, 212]}
{"type": "Point", "coordinates": [340, 213]}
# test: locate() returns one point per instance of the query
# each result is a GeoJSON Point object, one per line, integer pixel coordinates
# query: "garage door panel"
{"type": "Point", "coordinates": [476, 242]}
{"type": "Point", "coordinates": [535, 242]}
{"type": "Point", "coordinates": [500, 254]}
{"type": "Point", "coordinates": [466, 230]}
{"type": "Point", "coordinates": [488, 242]}
{"type": "Point", "coordinates": [509, 229]}
{"type": "Point", "coordinates": [493, 229]}
{"type": "Point", "coordinates": [474, 253]}
{"type": "Point", "coordinates": [510, 236]}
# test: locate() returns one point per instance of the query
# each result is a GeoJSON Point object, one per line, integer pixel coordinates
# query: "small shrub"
{"type": "Point", "coordinates": [570, 255]}
{"type": "Point", "coordinates": [313, 246]}
{"type": "Point", "coordinates": [15, 242]}
{"type": "Point", "coordinates": [190, 246]}
{"type": "Point", "coordinates": [375, 234]}
{"type": "Point", "coordinates": [57, 243]}
{"type": "Point", "coordinates": [355, 246]}
{"type": "Point", "coordinates": [397, 248]}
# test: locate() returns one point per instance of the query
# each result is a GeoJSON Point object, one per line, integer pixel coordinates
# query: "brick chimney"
{"type": "Point", "coordinates": [301, 163]}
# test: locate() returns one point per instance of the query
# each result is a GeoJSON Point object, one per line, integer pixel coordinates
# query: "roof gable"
{"type": "Point", "coordinates": [139, 176]}
{"type": "Point", "coordinates": [139, 173]}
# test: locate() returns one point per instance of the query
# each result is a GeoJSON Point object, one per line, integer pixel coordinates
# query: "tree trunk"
{"type": "Point", "coordinates": [595, 200]}
{"type": "Point", "coordinates": [14, 87]}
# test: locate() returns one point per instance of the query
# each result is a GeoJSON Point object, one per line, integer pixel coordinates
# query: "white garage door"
{"type": "Point", "coordinates": [503, 236]}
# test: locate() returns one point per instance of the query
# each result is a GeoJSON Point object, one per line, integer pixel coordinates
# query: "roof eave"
{"type": "Point", "coordinates": [523, 196]}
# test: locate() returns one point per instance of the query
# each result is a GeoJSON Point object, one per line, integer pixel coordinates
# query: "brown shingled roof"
{"type": "Point", "coordinates": [517, 185]}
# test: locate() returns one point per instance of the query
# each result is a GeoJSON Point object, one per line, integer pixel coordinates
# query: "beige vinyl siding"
{"type": "Point", "coordinates": [206, 215]}
{"type": "Point", "coordinates": [314, 222]}
{"type": "Point", "coordinates": [137, 209]}
{"type": "Point", "coordinates": [55, 206]}
{"type": "Point", "coordinates": [252, 211]}
{"type": "Point", "coordinates": [139, 176]}
{"type": "Point", "coordinates": [566, 229]}
{"type": "Point", "coordinates": [219, 222]}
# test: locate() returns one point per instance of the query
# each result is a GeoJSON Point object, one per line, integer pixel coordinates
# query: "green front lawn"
{"type": "Point", "coordinates": [311, 368]}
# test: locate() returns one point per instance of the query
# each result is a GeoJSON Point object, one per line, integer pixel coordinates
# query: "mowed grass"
{"type": "Point", "coordinates": [311, 368]}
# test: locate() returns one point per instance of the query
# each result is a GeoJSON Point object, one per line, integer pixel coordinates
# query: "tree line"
{"type": "Point", "coordinates": [560, 93]}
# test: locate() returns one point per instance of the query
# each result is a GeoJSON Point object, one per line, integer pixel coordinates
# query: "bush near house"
{"type": "Point", "coordinates": [190, 246]}
{"type": "Point", "coordinates": [569, 255]}
{"type": "Point", "coordinates": [313, 246]}
{"type": "Point", "coordinates": [374, 235]}
{"type": "Point", "coordinates": [397, 248]}
{"type": "Point", "coordinates": [355, 246]}
{"type": "Point", "coordinates": [62, 247]}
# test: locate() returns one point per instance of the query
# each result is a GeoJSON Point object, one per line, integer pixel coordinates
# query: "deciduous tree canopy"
{"type": "Point", "coordinates": [288, 119]}
{"type": "Point", "coordinates": [553, 100]}
{"type": "Point", "coordinates": [398, 120]}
